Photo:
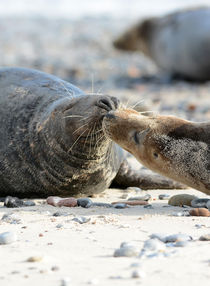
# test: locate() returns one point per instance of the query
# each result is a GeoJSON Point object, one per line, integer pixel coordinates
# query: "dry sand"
{"type": "Point", "coordinates": [82, 254]}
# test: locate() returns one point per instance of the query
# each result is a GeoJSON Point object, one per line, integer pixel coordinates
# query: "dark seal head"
{"type": "Point", "coordinates": [174, 147]}
{"type": "Point", "coordinates": [179, 43]}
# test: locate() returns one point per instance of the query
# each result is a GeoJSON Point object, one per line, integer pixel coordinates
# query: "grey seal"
{"type": "Point", "coordinates": [52, 141]}
{"type": "Point", "coordinates": [179, 43]}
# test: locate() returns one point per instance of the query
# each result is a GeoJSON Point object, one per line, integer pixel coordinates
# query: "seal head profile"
{"type": "Point", "coordinates": [174, 147]}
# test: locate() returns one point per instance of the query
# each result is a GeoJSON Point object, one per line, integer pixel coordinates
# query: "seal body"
{"type": "Point", "coordinates": [51, 140]}
{"type": "Point", "coordinates": [174, 147]}
{"type": "Point", "coordinates": [179, 43]}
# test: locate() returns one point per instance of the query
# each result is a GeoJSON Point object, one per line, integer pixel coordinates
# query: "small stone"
{"type": "Point", "coordinates": [62, 202]}
{"type": "Point", "coordinates": [120, 206]}
{"type": "Point", "coordinates": [60, 213]}
{"type": "Point", "coordinates": [93, 281]}
{"type": "Point", "coordinates": [11, 218]}
{"type": "Point", "coordinates": [13, 202]}
{"type": "Point", "coordinates": [65, 281]}
{"type": "Point", "coordinates": [181, 243]}
{"type": "Point", "coordinates": [164, 197]}
{"type": "Point", "coordinates": [205, 237]}
{"type": "Point", "coordinates": [81, 219]}
{"type": "Point", "coordinates": [7, 237]}
{"type": "Point", "coordinates": [136, 189]}
{"type": "Point", "coordinates": [126, 249]}
{"type": "Point", "coordinates": [131, 203]}
{"type": "Point", "coordinates": [159, 236]}
{"type": "Point", "coordinates": [138, 274]}
{"type": "Point", "coordinates": [199, 203]}
{"type": "Point", "coordinates": [29, 204]}
{"type": "Point", "coordinates": [105, 205]}
{"type": "Point", "coordinates": [41, 235]}
{"type": "Point", "coordinates": [84, 202]}
{"type": "Point", "coordinates": [146, 197]}
{"type": "Point", "coordinates": [60, 225]}
{"type": "Point", "coordinates": [55, 268]}
{"type": "Point", "coordinates": [180, 200]}
{"type": "Point", "coordinates": [136, 264]}
{"type": "Point", "coordinates": [199, 212]}
{"type": "Point", "coordinates": [208, 205]}
{"type": "Point", "coordinates": [177, 237]}
{"type": "Point", "coordinates": [149, 207]}
{"type": "Point", "coordinates": [154, 245]}
{"type": "Point", "coordinates": [34, 259]}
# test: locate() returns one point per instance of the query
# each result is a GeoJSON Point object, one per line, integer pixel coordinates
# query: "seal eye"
{"type": "Point", "coordinates": [155, 155]}
{"type": "Point", "coordinates": [136, 137]}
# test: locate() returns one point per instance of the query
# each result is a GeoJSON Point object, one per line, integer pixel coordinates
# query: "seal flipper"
{"type": "Point", "coordinates": [127, 177]}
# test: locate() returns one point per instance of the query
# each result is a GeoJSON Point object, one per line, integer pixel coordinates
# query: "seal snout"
{"type": "Point", "coordinates": [108, 103]}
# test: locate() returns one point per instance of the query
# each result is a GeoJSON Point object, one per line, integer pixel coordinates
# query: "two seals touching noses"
{"type": "Point", "coordinates": [174, 147]}
{"type": "Point", "coordinates": [52, 141]}
{"type": "Point", "coordinates": [179, 43]}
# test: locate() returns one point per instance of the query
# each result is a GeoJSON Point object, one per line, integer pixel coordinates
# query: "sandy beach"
{"type": "Point", "coordinates": [50, 248]}
{"type": "Point", "coordinates": [70, 253]}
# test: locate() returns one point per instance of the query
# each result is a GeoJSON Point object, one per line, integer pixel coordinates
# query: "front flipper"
{"type": "Point", "coordinates": [126, 177]}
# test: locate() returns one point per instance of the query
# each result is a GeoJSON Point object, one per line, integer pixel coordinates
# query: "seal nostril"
{"type": "Point", "coordinates": [110, 116]}
{"type": "Point", "coordinates": [106, 103]}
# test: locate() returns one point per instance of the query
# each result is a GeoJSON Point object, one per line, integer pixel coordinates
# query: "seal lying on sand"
{"type": "Point", "coordinates": [173, 147]}
{"type": "Point", "coordinates": [179, 43]}
{"type": "Point", "coordinates": [52, 142]}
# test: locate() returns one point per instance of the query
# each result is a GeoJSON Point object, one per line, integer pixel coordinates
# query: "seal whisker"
{"type": "Point", "coordinates": [73, 116]}
{"type": "Point", "coordinates": [76, 140]}
{"type": "Point", "coordinates": [91, 138]}
{"type": "Point", "coordinates": [81, 127]}
{"type": "Point", "coordinates": [137, 103]}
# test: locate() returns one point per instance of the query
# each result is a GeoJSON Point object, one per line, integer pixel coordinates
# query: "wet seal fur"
{"type": "Point", "coordinates": [52, 142]}
{"type": "Point", "coordinates": [179, 43]}
{"type": "Point", "coordinates": [174, 147]}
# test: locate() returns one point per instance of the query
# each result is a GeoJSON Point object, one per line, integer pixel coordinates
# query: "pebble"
{"type": "Point", "coordinates": [146, 197]}
{"type": "Point", "coordinates": [154, 245]}
{"type": "Point", "coordinates": [105, 205]}
{"type": "Point", "coordinates": [149, 207]}
{"type": "Point", "coordinates": [34, 259]}
{"type": "Point", "coordinates": [84, 202]}
{"type": "Point", "coordinates": [55, 268]}
{"type": "Point", "coordinates": [29, 204]}
{"type": "Point", "coordinates": [180, 200]}
{"type": "Point", "coordinates": [159, 236]}
{"type": "Point", "coordinates": [62, 202]}
{"type": "Point", "coordinates": [126, 249]}
{"type": "Point", "coordinates": [131, 203]}
{"type": "Point", "coordinates": [13, 202]}
{"type": "Point", "coordinates": [177, 237]}
{"type": "Point", "coordinates": [138, 274]}
{"type": "Point", "coordinates": [205, 237]}
{"type": "Point", "coordinates": [164, 197]}
{"type": "Point", "coordinates": [60, 214]}
{"type": "Point", "coordinates": [65, 281]}
{"type": "Point", "coordinates": [81, 219]}
{"type": "Point", "coordinates": [11, 218]}
{"type": "Point", "coordinates": [199, 203]}
{"type": "Point", "coordinates": [60, 225]}
{"type": "Point", "coordinates": [208, 205]}
{"type": "Point", "coordinates": [136, 189]}
{"type": "Point", "coordinates": [199, 212]}
{"type": "Point", "coordinates": [181, 243]}
{"type": "Point", "coordinates": [120, 206]}
{"type": "Point", "coordinates": [7, 237]}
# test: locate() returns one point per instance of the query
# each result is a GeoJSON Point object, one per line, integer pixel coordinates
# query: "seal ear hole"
{"type": "Point", "coordinates": [155, 155]}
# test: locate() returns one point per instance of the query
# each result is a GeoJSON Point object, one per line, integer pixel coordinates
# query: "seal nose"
{"type": "Point", "coordinates": [110, 116]}
{"type": "Point", "coordinates": [108, 103]}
